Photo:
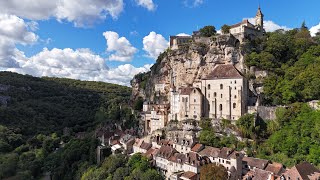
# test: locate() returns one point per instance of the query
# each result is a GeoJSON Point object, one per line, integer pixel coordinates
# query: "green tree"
{"type": "Point", "coordinates": [225, 29]}
{"type": "Point", "coordinates": [213, 172]}
{"type": "Point", "coordinates": [208, 31]}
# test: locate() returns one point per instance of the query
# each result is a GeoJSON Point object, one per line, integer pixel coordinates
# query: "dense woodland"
{"type": "Point", "coordinates": [292, 59]}
{"type": "Point", "coordinates": [32, 141]}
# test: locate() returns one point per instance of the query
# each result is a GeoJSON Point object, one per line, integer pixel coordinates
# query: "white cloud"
{"type": "Point", "coordinates": [154, 44]}
{"type": "Point", "coordinates": [13, 30]}
{"type": "Point", "coordinates": [182, 34]}
{"type": "Point", "coordinates": [76, 64]}
{"type": "Point", "coordinates": [314, 29]}
{"type": "Point", "coordinates": [80, 12]}
{"type": "Point", "coordinates": [120, 47]}
{"type": "Point", "coordinates": [147, 4]}
{"type": "Point", "coordinates": [192, 3]}
{"type": "Point", "coordinates": [269, 25]}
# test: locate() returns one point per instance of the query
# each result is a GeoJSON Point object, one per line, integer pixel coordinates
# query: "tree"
{"type": "Point", "coordinates": [225, 29]}
{"type": "Point", "coordinates": [208, 31]}
{"type": "Point", "coordinates": [138, 104]}
{"type": "Point", "coordinates": [213, 172]}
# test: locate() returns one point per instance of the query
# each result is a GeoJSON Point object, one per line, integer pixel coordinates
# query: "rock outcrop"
{"type": "Point", "coordinates": [188, 64]}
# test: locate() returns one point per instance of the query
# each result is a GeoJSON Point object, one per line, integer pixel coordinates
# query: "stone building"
{"type": "Point", "coordinates": [190, 103]}
{"type": "Point", "coordinates": [155, 117]}
{"type": "Point", "coordinates": [302, 171]}
{"type": "Point", "coordinates": [230, 159]}
{"type": "Point", "coordinates": [246, 30]}
{"type": "Point", "coordinates": [226, 92]}
{"type": "Point", "coordinates": [176, 41]}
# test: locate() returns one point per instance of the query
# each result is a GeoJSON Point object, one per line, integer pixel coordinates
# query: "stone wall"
{"type": "Point", "coordinates": [267, 112]}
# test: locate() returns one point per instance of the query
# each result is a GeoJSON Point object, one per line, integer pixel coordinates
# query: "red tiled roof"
{"type": "Point", "coordinates": [210, 152]}
{"type": "Point", "coordinates": [198, 147]}
{"type": "Point", "coordinates": [224, 71]}
{"type": "Point", "coordinates": [306, 169]}
{"type": "Point", "coordinates": [145, 146]}
{"type": "Point", "coordinates": [166, 152]}
{"type": "Point", "coordinates": [189, 175]}
{"type": "Point", "coordinates": [245, 21]}
{"type": "Point", "coordinates": [275, 168]}
{"type": "Point", "coordinates": [255, 162]}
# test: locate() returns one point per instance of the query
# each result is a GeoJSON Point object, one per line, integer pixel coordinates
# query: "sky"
{"type": "Point", "coordinates": [112, 40]}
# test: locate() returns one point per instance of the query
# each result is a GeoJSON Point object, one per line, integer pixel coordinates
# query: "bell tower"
{"type": "Point", "coordinates": [259, 19]}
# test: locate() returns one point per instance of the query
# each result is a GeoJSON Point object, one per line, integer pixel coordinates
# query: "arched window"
{"type": "Point", "coordinates": [209, 86]}
{"type": "Point", "coordinates": [220, 107]}
{"type": "Point", "coordinates": [234, 105]}
{"type": "Point", "coordinates": [221, 86]}
{"type": "Point", "coordinates": [235, 96]}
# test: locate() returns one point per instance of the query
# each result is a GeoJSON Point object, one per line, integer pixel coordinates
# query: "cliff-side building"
{"type": "Point", "coordinates": [225, 91]}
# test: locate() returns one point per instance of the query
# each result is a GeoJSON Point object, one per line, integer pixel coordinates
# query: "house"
{"type": "Point", "coordinates": [177, 41]}
{"type": "Point", "coordinates": [162, 159]}
{"type": "Point", "coordinates": [302, 171]}
{"type": "Point", "coordinates": [156, 118]}
{"type": "Point", "coordinates": [230, 159]}
{"type": "Point", "coordinates": [246, 30]}
{"type": "Point", "coordinates": [190, 102]}
{"type": "Point", "coordinates": [226, 92]}
{"type": "Point", "coordinates": [250, 163]}
{"type": "Point", "coordinates": [140, 146]}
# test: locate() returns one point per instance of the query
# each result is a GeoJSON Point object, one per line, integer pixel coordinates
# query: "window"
{"type": "Point", "coordinates": [235, 88]}
{"type": "Point", "coordinates": [235, 96]}
{"type": "Point", "coordinates": [182, 99]}
{"type": "Point", "coordinates": [235, 81]}
{"type": "Point", "coordinates": [208, 95]}
{"type": "Point", "coordinates": [234, 105]}
{"type": "Point", "coordinates": [221, 95]}
{"type": "Point", "coordinates": [209, 86]}
{"type": "Point", "coordinates": [220, 107]}
{"type": "Point", "coordinates": [221, 86]}
{"type": "Point", "coordinates": [194, 100]}
{"type": "Point", "coordinates": [194, 91]}
{"type": "Point", "coordinates": [186, 99]}
{"type": "Point", "coordinates": [215, 94]}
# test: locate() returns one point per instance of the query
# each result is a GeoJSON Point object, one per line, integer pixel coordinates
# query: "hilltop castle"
{"type": "Point", "coordinates": [223, 93]}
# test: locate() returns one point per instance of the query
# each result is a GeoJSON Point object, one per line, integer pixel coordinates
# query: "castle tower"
{"type": "Point", "coordinates": [259, 19]}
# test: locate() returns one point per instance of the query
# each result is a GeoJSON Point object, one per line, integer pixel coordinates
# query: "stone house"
{"type": "Point", "coordinates": [302, 171]}
{"type": "Point", "coordinates": [226, 92]}
{"type": "Point", "coordinates": [190, 100]}
{"type": "Point", "coordinates": [177, 41]}
{"type": "Point", "coordinates": [230, 159]}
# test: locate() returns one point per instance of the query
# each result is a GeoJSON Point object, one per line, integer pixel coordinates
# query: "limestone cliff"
{"type": "Point", "coordinates": [184, 66]}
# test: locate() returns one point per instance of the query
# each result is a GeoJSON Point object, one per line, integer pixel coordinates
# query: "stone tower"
{"type": "Point", "coordinates": [259, 19]}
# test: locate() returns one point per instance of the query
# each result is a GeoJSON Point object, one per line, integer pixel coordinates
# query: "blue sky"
{"type": "Point", "coordinates": [70, 26]}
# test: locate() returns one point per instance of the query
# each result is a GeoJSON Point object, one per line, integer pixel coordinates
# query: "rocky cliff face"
{"type": "Point", "coordinates": [190, 63]}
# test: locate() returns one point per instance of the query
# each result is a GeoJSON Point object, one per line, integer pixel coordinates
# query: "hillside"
{"type": "Point", "coordinates": [37, 114]}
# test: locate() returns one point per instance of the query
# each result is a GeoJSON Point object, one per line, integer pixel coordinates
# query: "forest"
{"type": "Point", "coordinates": [41, 117]}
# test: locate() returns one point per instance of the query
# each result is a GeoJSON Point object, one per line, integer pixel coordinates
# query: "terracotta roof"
{"type": "Point", "coordinates": [225, 152]}
{"type": "Point", "coordinates": [224, 71]}
{"type": "Point", "coordinates": [194, 159]}
{"type": "Point", "coordinates": [178, 158]}
{"type": "Point", "coordinates": [210, 152]}
{"type": "Point", "coordinates": [166, 152]}
{"type": "Point", "coordinates": [150, 153]}
{"type": "Point", "coordinates": [197, 148]}
{"type": "Point", "coordinates": [138, 142]}
{"type": "Point", "coordinates": [306, 169]}
{"type": "Point", "coordinates": [189, 175]}
{"type": "Point", "coordinates": [275, 168]}
{"type": "Point", "coordinates": [260, 174]}
{"type": "Point", "coordinates": [255, 162]}
{"type": "Point", "coordinates": [146, 146]}
{"type": "Point", "coordinates": [114, 142]}
{"type": "Point", "coordinates": [186, 90]}
{"type": "Point", "coordinates": [245, 21]}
